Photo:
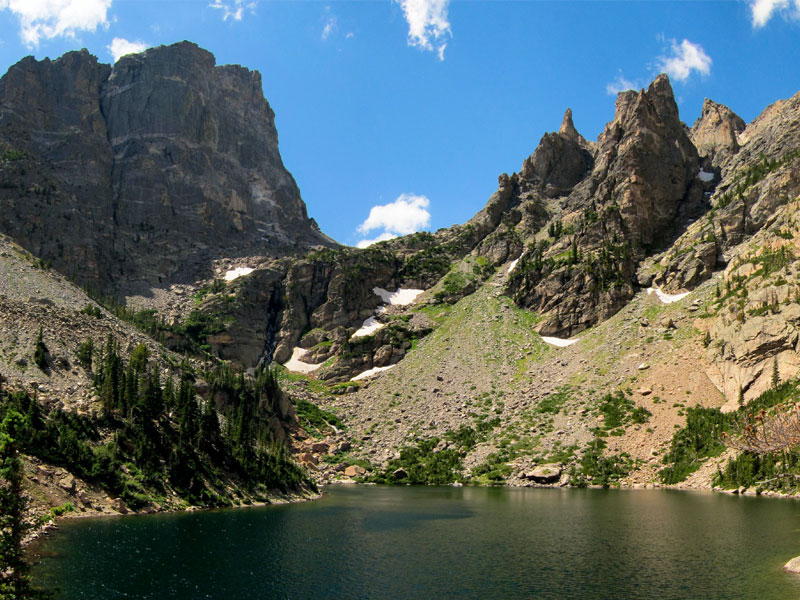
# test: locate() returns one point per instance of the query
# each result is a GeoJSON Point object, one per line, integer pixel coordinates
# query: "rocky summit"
{"type": "Point", "coordinates": [145, 171]}
{"type": "Point", "coordinates": [599, 321]}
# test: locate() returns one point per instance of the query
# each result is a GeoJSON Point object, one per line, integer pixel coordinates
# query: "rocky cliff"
{"type": "Point", "coordinates": [634, 194]}
{"type": "Point", "coordinates": [161, 176]}
{"type": "Point", "coordinates": [130, 176]}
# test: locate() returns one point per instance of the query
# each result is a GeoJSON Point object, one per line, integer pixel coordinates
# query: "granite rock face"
{"type": "Point", "coordinates": [716, 133]}
{"type": "Point", "coordinates": [641, 189]}
{"type": "Point", "coordinates": [145, 171]}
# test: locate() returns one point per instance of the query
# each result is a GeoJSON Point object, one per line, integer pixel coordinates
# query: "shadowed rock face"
{"type": "Point", "coordinates": [145, 171]}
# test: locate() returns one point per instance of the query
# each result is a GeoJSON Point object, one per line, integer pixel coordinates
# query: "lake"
{"type": "Point", "coordinates": [439, 542]}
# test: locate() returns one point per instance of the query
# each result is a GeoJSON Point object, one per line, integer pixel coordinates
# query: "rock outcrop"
{"type": "Point", "coordinates": [642, 187]}
{"type": "Point", "coordinates": [716, 133]}
{"type": "Point", "coordinates": [130, 176]}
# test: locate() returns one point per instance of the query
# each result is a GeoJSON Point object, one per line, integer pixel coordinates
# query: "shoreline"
{"type": "Point", "coordinates": [40, 534]}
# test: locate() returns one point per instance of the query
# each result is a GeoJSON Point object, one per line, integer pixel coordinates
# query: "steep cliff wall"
{"type": "Point", "coordinates": [131, 176]}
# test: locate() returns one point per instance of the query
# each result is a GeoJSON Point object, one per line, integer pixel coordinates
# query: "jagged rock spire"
{"type": "Point", "coordinates": [567, 128]}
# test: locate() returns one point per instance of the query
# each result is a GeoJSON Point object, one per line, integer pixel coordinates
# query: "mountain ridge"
{"type": "Point", "coordinates": [458, 336]}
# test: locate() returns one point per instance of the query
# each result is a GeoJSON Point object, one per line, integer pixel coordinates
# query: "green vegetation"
{"type": "Point", "coordinates": [191, 335]}
{"type": "Point", "coordinates": [153, 440]}
{"type": "Point", "coordinates": [455, 286]}
{"type": "Point", "coordinates": [85, 353]}
{"type": "Point", "coordinates": [215, 287]}
{"type": "Point", "coordinates": [12, 154]}
{"type": "Point", "coordinates": [778, 470]}
{"type": "Point", "coordinates": [55, 512]}
{"type": "Point", "coordinates": [40, 352]}
{"type": "Point", "coordinates": [770, 261]}
{"type": "Point", "coordinates": [15, 581]}
{"type": "Point", "coordinates": [618, 411]}
{"type": "Point", "coordinates": [702, 438]}
{"type": "Point", "coordinates": [316, 420]}
{"type": "Point", "coordinates": [93, 311]}
{"type": "Point", "coordinates": [555, 401]}
{"type": "Point", "coordinates": [752, 175]}
{"type": "Point", "coordinates": [695, 442]}
{"type": "Point", "coordinates": [595, 468]}
{"type": "Point", "coordinates": [423, 465]}
{"type": "Point", "coordinates": [482, 269]}
{"type": "Point", "coordinates": [494, 469]}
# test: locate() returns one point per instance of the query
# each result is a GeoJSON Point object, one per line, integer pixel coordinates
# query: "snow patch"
{"type": "Point", "coordinates": [371, 372]}
{"type": "Point", "coordinates": [368, 327]}
{"type": "Point", "coordinates": [401, 297]}
{"type": "Point", "coordinates": [560, 342]}
{"type": "Point", "coordinates": [512, 266]}
{"type": "Point", "coordinates": [667, 298]}
{"type": "Point", "coordinates": [297, 365]}
{"type": "Point", "coordinates": [237, 272]}
{"type": "Point", "coordinates": [705, 176]}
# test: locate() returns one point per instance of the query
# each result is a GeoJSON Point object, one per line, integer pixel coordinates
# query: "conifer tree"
{"type": "Point", "coordinates": [776, 376]}
{"type": "Point", "coordinates": [14, 580]}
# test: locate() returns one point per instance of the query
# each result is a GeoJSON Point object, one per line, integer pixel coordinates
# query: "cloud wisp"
{"type": "Point", "coordinates": [621, 84]}
{"type": "Point", "coordinates": [428, 24]}
{"type": "Point", "coordinates": [47, 19]}
{"type": "Point", "coordinates": [119, 47]}
{"type": "Point", "coordinates": [329, 28]}
{"type": "Point", "coordinates": [234, 10]}
{"type": "Point", "coordinates": [408, 214]}
{"type": "Point", "coordinates": [684, 58]}
{"type": "Point", "coordinates": [761, 11]}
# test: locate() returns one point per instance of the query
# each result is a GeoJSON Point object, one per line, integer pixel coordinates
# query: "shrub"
{"type": "Point", "coordinates": [40, 352]}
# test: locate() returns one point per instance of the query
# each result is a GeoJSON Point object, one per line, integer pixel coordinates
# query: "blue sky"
{"type": "Point", "coordinates": [413, 107]}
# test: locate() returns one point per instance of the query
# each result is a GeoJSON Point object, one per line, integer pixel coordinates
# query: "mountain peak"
{"type": "Point", "coordinates": [715, 133]}
{"type": "Point", "coordinates": [179, 163]}
{"type": "Point", "coordinates": [567, 128]}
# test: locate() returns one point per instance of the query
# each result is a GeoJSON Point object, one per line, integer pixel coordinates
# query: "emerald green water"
{"type": "Point", "coordinates": [403, 542]}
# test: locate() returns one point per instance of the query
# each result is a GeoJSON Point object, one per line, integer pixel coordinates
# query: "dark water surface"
{"type": "Point", "coordinates": [400, 542]}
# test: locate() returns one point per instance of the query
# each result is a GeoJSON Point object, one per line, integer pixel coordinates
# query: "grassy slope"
{"type": "Point", "coordinates": [486, 362]}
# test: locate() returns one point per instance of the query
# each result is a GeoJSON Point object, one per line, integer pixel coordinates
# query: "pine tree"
{"type": "Point", "coordinates": [85, 353]}
{"type": "Point", "coordinates": [40, 352]}
{"type": "Point", "coordinates": [15, 582]}
{"type": "Point", "coordinates": [776, 376]}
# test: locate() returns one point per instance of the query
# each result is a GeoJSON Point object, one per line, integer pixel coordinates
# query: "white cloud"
{"type": "Point", "coordinates": [407, 214]}
{"type": "Point", "coordinates": [234, 10]}
{"type": "Point", "coordinates": [427, 24]}
{"type": "Point", "coordinates": [763, 10]}
{"type": "Point", "coordinates": [381, 238]}
{"type": "Point", "coordinates": [329, 28]}
{"type": "Point", "coordinates": [47, 19]}
{"type": "Point", "coordinates": [620, 84]}
{"type": "Point", "coordinates": [119, 47]}
{"type": "Point", "coordinates": [685, 58]}
{"type": "Point", "coordinates": [350, 35]}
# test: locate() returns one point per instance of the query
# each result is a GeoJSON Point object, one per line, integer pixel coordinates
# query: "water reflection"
{"type": "Point", "coordinates": [375, 542]}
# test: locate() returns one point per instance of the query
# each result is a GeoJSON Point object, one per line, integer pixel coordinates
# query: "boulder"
{"type": "Point", "coordinates": [399, 473]}
{"type": "Point", "coordinates": [309, 459]}
{"type": "Point", "coordinates": [320, 447]}
{"type": "Point", "coordinates": [545, 474]}
{"type": "Point", "coordinates": [793, 566]}
{"type": "Point", "coordinates": [67, 483]}
{"type": "Point", "coordinates": [355, 471]}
